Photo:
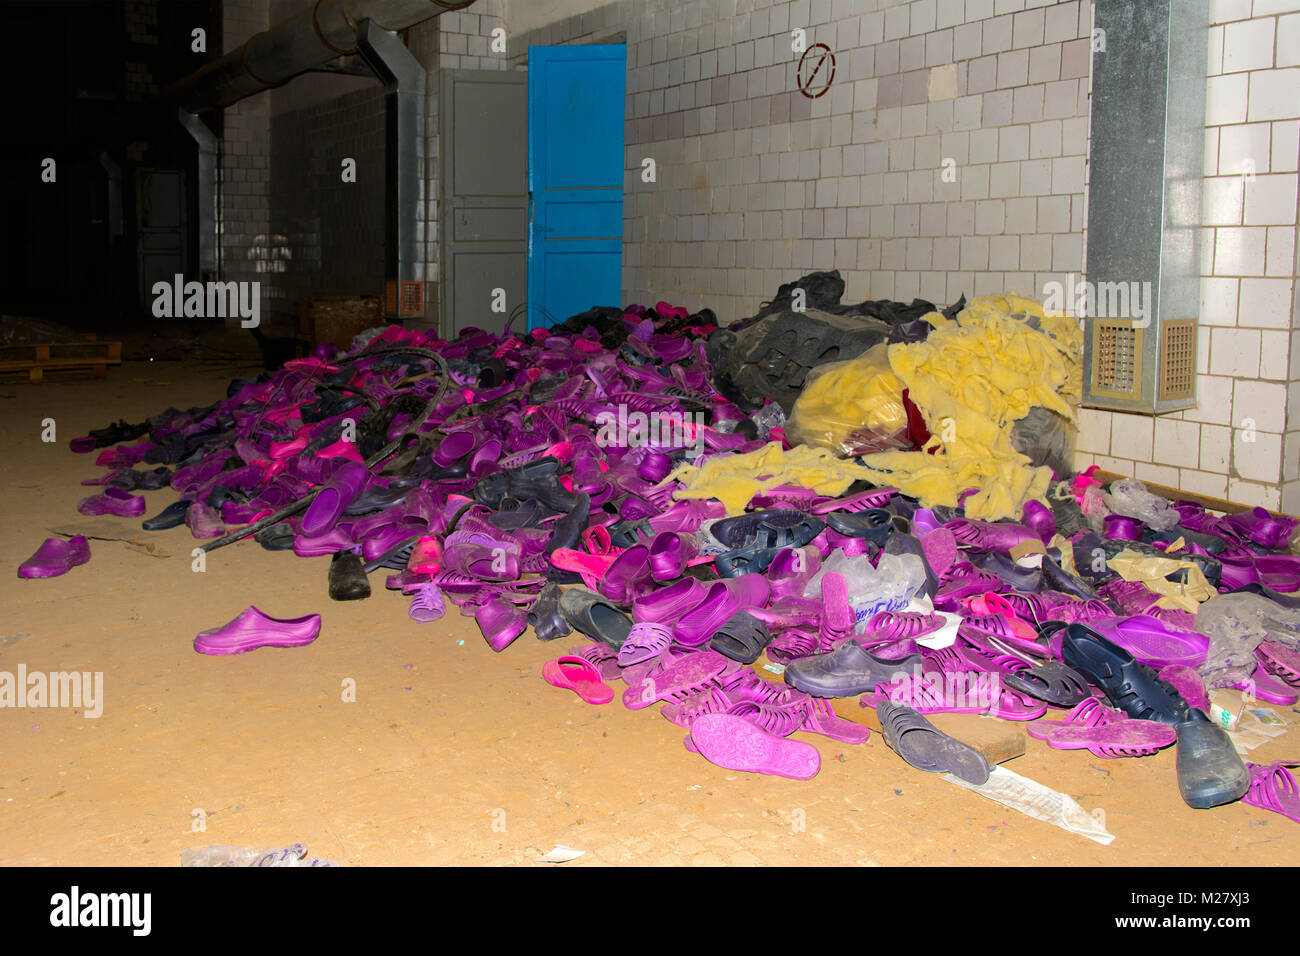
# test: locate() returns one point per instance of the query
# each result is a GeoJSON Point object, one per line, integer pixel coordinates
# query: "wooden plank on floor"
{"type": "Point", "coordinates": [32, 362]}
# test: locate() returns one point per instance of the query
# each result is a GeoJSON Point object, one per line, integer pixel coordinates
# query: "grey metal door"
{"type": "Point", "coordinates": [162, 229]}
{"type": "Point", "coordinates": [483, 127]}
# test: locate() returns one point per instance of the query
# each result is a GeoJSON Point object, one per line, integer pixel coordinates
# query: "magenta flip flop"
{"type": "Point", "coordinates": [1273, 787]}
{"type": "Point", "coordinates": [1153, 642]}
{"type": "Point", "coordinates": [56, 556]}
{"type": "Point", "coordinates": [732, 742]}
{"type": "Point", "coordinates": [579, 676]}
{"type": "Point", "coordinates": [253, 629]}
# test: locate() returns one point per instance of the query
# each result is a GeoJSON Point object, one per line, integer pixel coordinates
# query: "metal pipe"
{"type": "Point", "coordinates": [303, 42]}
{"type": "Point", "coordinates": [403, 79]}
{"type": "Point", "coordinates": [209, 200]}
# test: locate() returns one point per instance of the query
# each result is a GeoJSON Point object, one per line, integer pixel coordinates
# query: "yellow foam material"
{"type": "Point", "coordinates": [735, 479]}
{"type": "Point", "coordinates": [973, 378]}
{"type": "Point", "coordinates": [847, 396]}
{"type": "Point", "coordinates": [1152, 571]}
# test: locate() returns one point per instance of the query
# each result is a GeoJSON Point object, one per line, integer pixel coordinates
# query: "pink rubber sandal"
{"type": "Point", "coordinates": [600, 656]}
{"type": "Point", "coordinates": [894, 626]}
{"type": "Point", "coordinates": [820, 718]}
{"type": "Point", "coordinates": [1104, 732]}
{"type": "Point", "coordinates": [579, 676]}
{"type": "Point", "coordinates": [734, 743]}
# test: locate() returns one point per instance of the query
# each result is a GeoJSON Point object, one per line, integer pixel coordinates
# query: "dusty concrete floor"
{"type": "Point", "coordinates": [450, 754]}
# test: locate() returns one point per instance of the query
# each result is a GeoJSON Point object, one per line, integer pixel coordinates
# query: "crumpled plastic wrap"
{"type": "Point", "coordinates": [1235, 625]}
{"type": "Point", "coordinates": [1045, 438]}
{"type": "Point", "coordinates": [228, 856]}
{"type": "Point", "coordinates": [853, 408]}
{"type": "Point", "coordinates": [889, 585]}
{"type": "Point", "coordinates": [1155, 573]}
{"type": "Point", "coordinates": [1130, 497]}
{"type": "Point", "coordinates": [770, 416]}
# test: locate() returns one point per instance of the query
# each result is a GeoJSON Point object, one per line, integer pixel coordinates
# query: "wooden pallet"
{"type": "Point", "coordinates": [34, 361]}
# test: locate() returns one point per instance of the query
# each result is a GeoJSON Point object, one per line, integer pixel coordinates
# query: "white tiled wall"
{"type": "Point", "coordinates": [758, 184]}
{"type": "Point", "coordinates": [1243, 441]}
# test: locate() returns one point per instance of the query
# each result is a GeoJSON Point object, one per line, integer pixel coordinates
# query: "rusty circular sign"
{"type": "Point", "coordinates": [816, 71]}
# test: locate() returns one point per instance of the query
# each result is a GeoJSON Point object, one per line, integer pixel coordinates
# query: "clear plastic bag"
{"type": "Point", "coordinates": [227, 856]}
{"type": "Point", "coordinates": [888, 586]}
{"type": "Point", "coordinates": [1130, 497]}
{"type": "Point", "coordinates": [1235, 625]}
{"type": "Point", "coordinates": [853, 408]}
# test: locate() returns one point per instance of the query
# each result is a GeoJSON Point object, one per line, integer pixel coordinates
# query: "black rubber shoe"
{"type": "Point", "coordinates": [1128, 685]}
{"type": "Point", "coordinates": [169, 517]}
{"type": "Point", "coordinates": [347, 580]}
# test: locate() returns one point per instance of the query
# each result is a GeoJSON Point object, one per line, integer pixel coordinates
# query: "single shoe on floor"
{"type": "Point", "coordinates": [253, 629]}
{"type": "Point", "coordinates": [56, 556]}
{"type": "Point", "coordinates": [926, 747]}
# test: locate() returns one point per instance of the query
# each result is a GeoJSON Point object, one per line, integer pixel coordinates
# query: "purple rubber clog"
{"type": "Point", "coordinates": [332, 500]}
{"type": "Point", "coordinates": [253, 629]}
{"type": "Point", "coordinates": [113, 501]}
{"type": "Point", "coordinates": [56, 556]}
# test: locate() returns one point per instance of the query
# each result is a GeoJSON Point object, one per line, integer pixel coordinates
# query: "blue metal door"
{"type": "Point", "coordinates": [575, 179]}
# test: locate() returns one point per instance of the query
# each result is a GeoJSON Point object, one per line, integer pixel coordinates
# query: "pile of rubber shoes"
{"type": "Point", "coordinates": [509, 478]}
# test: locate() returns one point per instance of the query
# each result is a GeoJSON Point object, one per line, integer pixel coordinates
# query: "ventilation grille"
{"type": "Point", "coordinates": [1178, 359]}
{"type": "Point", "coordinates": [409, 302]}
{"type": "Point", "coordinates": [1117, 359]}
